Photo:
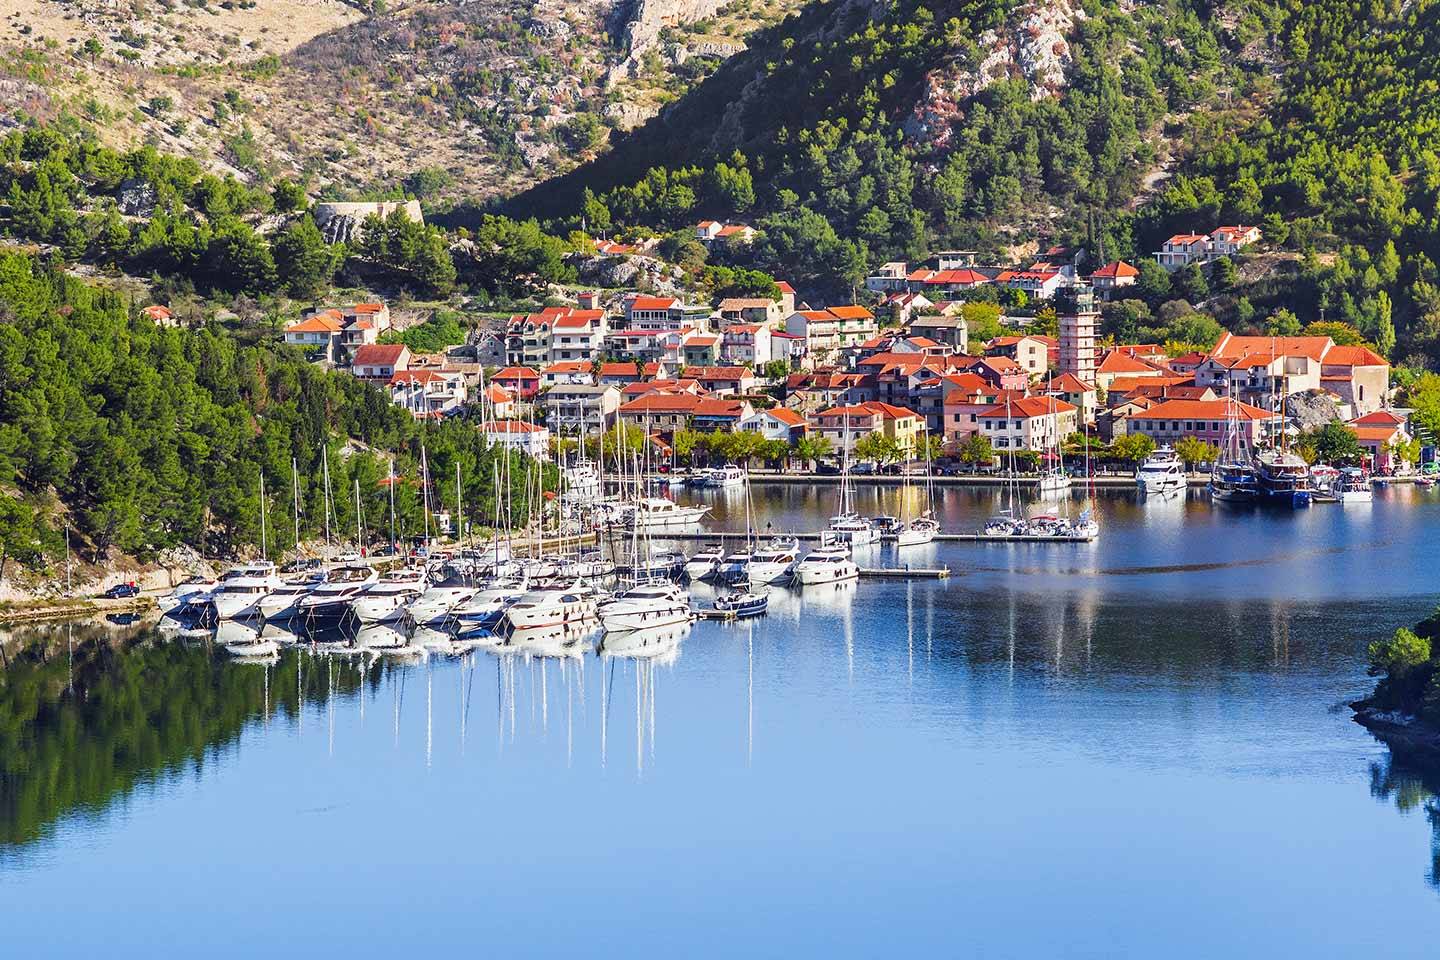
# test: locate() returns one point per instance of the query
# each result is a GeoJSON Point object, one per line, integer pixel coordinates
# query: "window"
{"type": "Point", "coordinates": [1175, 425]}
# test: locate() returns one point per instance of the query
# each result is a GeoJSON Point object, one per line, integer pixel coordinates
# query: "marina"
{"type": "Point", "coordinates": [1179, 679]}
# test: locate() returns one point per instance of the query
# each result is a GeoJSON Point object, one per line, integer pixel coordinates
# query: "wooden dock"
{"type": "Point", "coordinates": [716, 536]}
{"type": "Point", "coordinates": [906, 573]}
{"type": "Point", "coordinates": [710, 613]}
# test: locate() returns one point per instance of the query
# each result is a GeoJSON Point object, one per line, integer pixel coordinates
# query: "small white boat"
{"type": "Point", "coordinates": [1353, 486]}
{"type": "Point", "coordinates": [1054, 480]}
{"type": "Point", "coordinates": [1162, 473]}
{"type": "Point", "coordinates": [727, 476]}
{"type": "Point", "coordinates": [435, 603]}
{"type": "Point", "coordinates": [918, 531]}
{"type": "Point", "coordinates": [329, 603]}
{"type": "Point", "coordinates": [485, 609]}
{"type": "Point", "coordinates": [192, 593]}
{"type": "Point", "coordinates": [240, 591]}
{"type": "Point", "coordinates": [828, 563]}
{"type": "Point", "coordinates": [853, 529]}
{"type": "Point", "coordinates": [743, 605]}
{"type": "Point", "coordinates": [733, 568]}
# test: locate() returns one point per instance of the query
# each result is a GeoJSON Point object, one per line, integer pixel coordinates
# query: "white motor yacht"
{"type": "Point", "coordinates": [652, 513]}
{"type": "Point", "coordinates": [828, 563]}
{"type": "Point", "coordinates": [188, 595]}
{"type": "Point", "coordinates": [773, 563]}
{"type": "Point", "coordinates": [733, 567]}
{"type": "Point", "coordinates": [283, 602]}
{"type": "Point", "coordinates": [1161, 473]}
{"type": "Point", "coordinates": [485, 609]}
{"type": "Point", "coordinates": [705, 563]}
{"type": "Point", "coordinates": [387, 598]}
{"type": "Point", "coordinates": [1354, 486]}
{"type": "Point", "coordinates": [549, 608]}
{"type": "Point", "coordinates": [329, 603]}
{"type": "Point", "coordinates": [645, 605]}
{"type": "Point", "coordinates": [239, 594]}
{"type": "Point", "coordinates": [436, 602]}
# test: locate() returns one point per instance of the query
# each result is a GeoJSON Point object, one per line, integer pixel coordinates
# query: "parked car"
{"type": "Point", "coordinates": [122, 590]}
{"type": "Point", "coordinates": [863, 469]}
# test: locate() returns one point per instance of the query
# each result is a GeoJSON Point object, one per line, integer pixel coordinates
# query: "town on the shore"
{"type": "Point", "coordinates": [896, 377]}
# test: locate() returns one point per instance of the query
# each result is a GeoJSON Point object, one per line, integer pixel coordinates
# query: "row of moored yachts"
{"type": "Point", "coordinates": [468, 596]}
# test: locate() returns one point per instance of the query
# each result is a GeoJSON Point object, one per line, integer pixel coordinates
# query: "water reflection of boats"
{"type": "Point", "coordinates": [571, 640]}
{"type": "Point", "coordinates": [654, 644]}
{"type": "Point", "coordinates": [243, 639]}
{"type": "Point", "coordinates": [381, 636]}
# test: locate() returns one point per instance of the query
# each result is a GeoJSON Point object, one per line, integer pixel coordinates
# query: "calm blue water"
{"type": "Point", "coordinates": [1136, 747]}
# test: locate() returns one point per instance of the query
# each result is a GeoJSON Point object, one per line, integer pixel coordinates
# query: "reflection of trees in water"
{"type": "Point", "coordinates": [1412, 785]}
{"type": "Point", "coordinates": [87, 715]}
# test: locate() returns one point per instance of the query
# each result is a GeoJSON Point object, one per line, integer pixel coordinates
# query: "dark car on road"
{"type": "Point", "coordinates": [122, 590]}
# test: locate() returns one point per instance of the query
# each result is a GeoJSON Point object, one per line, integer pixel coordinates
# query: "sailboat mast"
{"type": "Point", "coordinates": [459, 524]}
{"type": "Point", "coordinates": [264, 542]}
{"type": "Point", "coordinates": [325, 468]}
{"type": "Point", "coordinates": [295, 497]}
{"type": "Point", "coordinates": [359, 537]}
{"type": "Point", "coordinates": [425, 490]}
{"type": "Point", "coordinates": [391, 485]}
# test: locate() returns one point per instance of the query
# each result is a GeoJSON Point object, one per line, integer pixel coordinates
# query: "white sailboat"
{"type": "Point", "coordinates": [1054, 479]}
{"type": "Point", "coordinates": [848, 526]}
{"type": "Point", "coordinates": [922, 528]}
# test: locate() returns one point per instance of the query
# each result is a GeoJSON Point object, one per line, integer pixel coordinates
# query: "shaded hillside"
{"type": "Point", "coordinates": [991, 116]}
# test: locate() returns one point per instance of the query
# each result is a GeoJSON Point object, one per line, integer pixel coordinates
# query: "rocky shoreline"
{"type": "Point", "coordinates": [1401, 732]}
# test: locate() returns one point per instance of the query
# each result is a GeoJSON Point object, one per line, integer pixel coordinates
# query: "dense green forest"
{"type": "Point", "coordinates": [152, 437]}
{"type": "Point", "coordinates": [197, 228]}
{"type": "Point", "coordinates": [84, 727]}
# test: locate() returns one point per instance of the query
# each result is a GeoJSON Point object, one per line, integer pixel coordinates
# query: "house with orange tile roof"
{"type": "Point", "coordinates": [573, 408]}
{"type": "Point", "coordinates": [1170, 420]}
{"type": "Point", "coordinates": [524, 382]}
{"type": "Point", "coordinates": [160, 315]}
{"type": "Point", "coordinates": [1358, 375]}
{"type": "Point", "coordinates": [1379, 433]}
{"type": "Point", "coordinates": [1187, 248]}
{"type": "Point", "coordinates": [1119, 363]}
{"type": "Point", "coordinates": [499, 402]}
{"type": "Point", "coordinates": [1113, 276]}
{"type": "Point", "coordinates": [711, 232]}
{"type": "Point", "coordinates": [1030, 352]}
{"type": "Point", "coordinates": [380, 361]}
{"type": "Point", "coordinates": [777, 423]}
{"type": "Point", "coordinates": [1000, 372]}
{"type": "Point", "coordinates": [843, 426]}
{"type": "Point", "coordinates": [1028, 423]}
{"type": "Point", "coordinates": [665, 412]}
{"type": "Point", "coordinates": [567, 371]}
{"type": "Point", "coordinates": [1083, 396]}
{"type": "Point", "coordinates": [721, 381]}
{"type": "Point", "coordinates": [700, 349]}
{"type": "Point", "coordinates": [747, 344]}
{"type": "Point", "coordinates": [618, 374]}
{"type": "Point", "coordinates": [429, 393]}
{"type": "Point", "coordinates": [833, 329]}
{"type": "Point", "coordinates": [530, 439]}
{"type": "Point", "coordinates": [760, 310]}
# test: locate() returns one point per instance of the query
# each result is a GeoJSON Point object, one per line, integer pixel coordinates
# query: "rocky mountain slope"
{"type": "Point", "coordinates": [483, 97]}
